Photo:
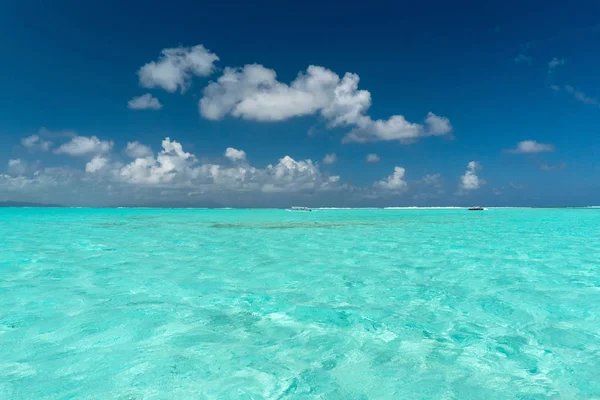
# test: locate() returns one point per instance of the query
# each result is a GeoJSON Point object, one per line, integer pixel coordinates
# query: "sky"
{"type": "Point", "coordinates": [271, 104]}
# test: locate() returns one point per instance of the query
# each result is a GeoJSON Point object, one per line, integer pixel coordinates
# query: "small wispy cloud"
{"type": "Point", "coordinates": [552, 65]}
{"type": "Point", "coordinates": [577, 94]}
{"type": "Point", "coordinates": [581, 96]}
{"type": "Point", "coordinates": [555, 167]}
{"type": "Point", "coordinates": [522, 58]}
{"type": "Point", "coordinates": [433, 180]}
{"type": "Point", "coordinates": [530, 146]}
{"type": "Point", "coordinates": [34, 142]}
{"type": "Point", "coordinates": [372, 158]}
{"type": "Point", "coordinates": [555, 62]}
{"type": "Point", "coordinates": [330, 158]}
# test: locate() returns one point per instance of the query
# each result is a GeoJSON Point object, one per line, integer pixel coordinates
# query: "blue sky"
{"type": "Point", "coordinates": [492, 77]}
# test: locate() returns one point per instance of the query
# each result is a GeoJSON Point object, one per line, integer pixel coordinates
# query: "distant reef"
{"type": "Point", "coordinates": [25, 204]}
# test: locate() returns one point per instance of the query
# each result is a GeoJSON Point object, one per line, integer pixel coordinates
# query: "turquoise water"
{"type": "Point", "coordinates": [333, 304]}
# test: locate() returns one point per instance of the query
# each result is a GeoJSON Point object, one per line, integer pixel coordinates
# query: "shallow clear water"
{"type": "Point", "coordinates": [333, 304]}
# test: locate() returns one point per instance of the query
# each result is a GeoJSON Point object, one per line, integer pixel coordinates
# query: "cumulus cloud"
{"type": "Point", "coordinates": [531, 146]}
{"type": "Point", "coordinates": [397, 128]}
{"type": "Point", "coordinates": [176, 67]}
{"type": "Point", "coordinates": [170, 162]}
{"type": "Point", "coordinates": [235, 155]}
{"type": "Point", "coordinates": [292, 175]}
{"type": "Point", "coordinates": [372, 158]}
{"type": "Point", "coordinates": [144, 102]}
{"type": "Point", "coordinates": [254, 93]}
{"type": "Point", "coordinates": [83, 146]}
{"type": "Point", "coordinates": [34, 142]}
{"type": "Point", "coordinates": [173, 167]}
{"type": "Point", "coordinates": [436, 125]}
{"type": "Point", "coordinates": [393, 182]}
{"type": "Point", "coordinates": [330, 158]}
{"type": "Point", "coordinates": [470, 181]}
{"type": "Point", "coordinates": [96, 164]}
{"type": "Point", "coordinates": [174, 174]}
{"type": "Point", "coordinates": [137, 150]}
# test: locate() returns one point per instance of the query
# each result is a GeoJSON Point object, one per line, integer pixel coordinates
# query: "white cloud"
{"type": "Point", "coordinates": [372, 158]}
{"type": "Point", "coordinates": [144, 102]}
{"type": "Point", "coordinates": [82, 145]}
{"type": "Point", "coordinates": [254, 93]}
{"type": "Point", "coordinates": [170, 163]}
{"type": "Point", "coordinates": [436, 125]}
{"type": "Point", "coordinates": [46, 178]}
{"type": "Point", "coordinates": [522, 58]}
{"type": "Point", "coordinates": [579, 95]}
{"type": "Point", "coordinates": [555, 62]}
{"type": "Point", "coordinates": [348, 105]}
{"type": "Point", "coordinates": [173, 167]}
{"type": "Point", "coordinates": [176, 67]}
{"type": "Point", "coordinates": [432, 179]}
{"type": "Point", "coordinates": [470, 181]}
{"type": "Point", "coordinates": [17, 166]}
{"type": "Point", "coordinates": [330, 158]}
{"type": "Point", "coordinates": [582, 97]}
{"type": "Point", "coordinates": [34, 142]}
{"type": "Point", "coordinates": [397, 128]}
{"type": "Point", "coordinates": [173, 174]}
{"type": "Point", "coordinates": [292, 175]}
{"type": "Point", "coordinates": [235, 154]}
{"type": "Point", "coordinates": [393, 182]}
{"type": "Point", "coordinates": [429, 187]}
{"type": "Point", "coordinates": [137, 150]}
{"type": "Point", "coordinates": [96, 164]}
{"type": "Point", "coordinates": [550, 167]}
{"type": "Point", "coordinates": [531, 146]}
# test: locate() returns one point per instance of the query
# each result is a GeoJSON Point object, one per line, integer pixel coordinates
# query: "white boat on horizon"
{"type": "Point", "coordinates": [299, 209]}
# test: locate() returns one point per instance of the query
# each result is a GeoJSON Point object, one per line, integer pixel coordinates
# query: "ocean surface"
{"type": "Point", "coordinates": [332, 304]}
